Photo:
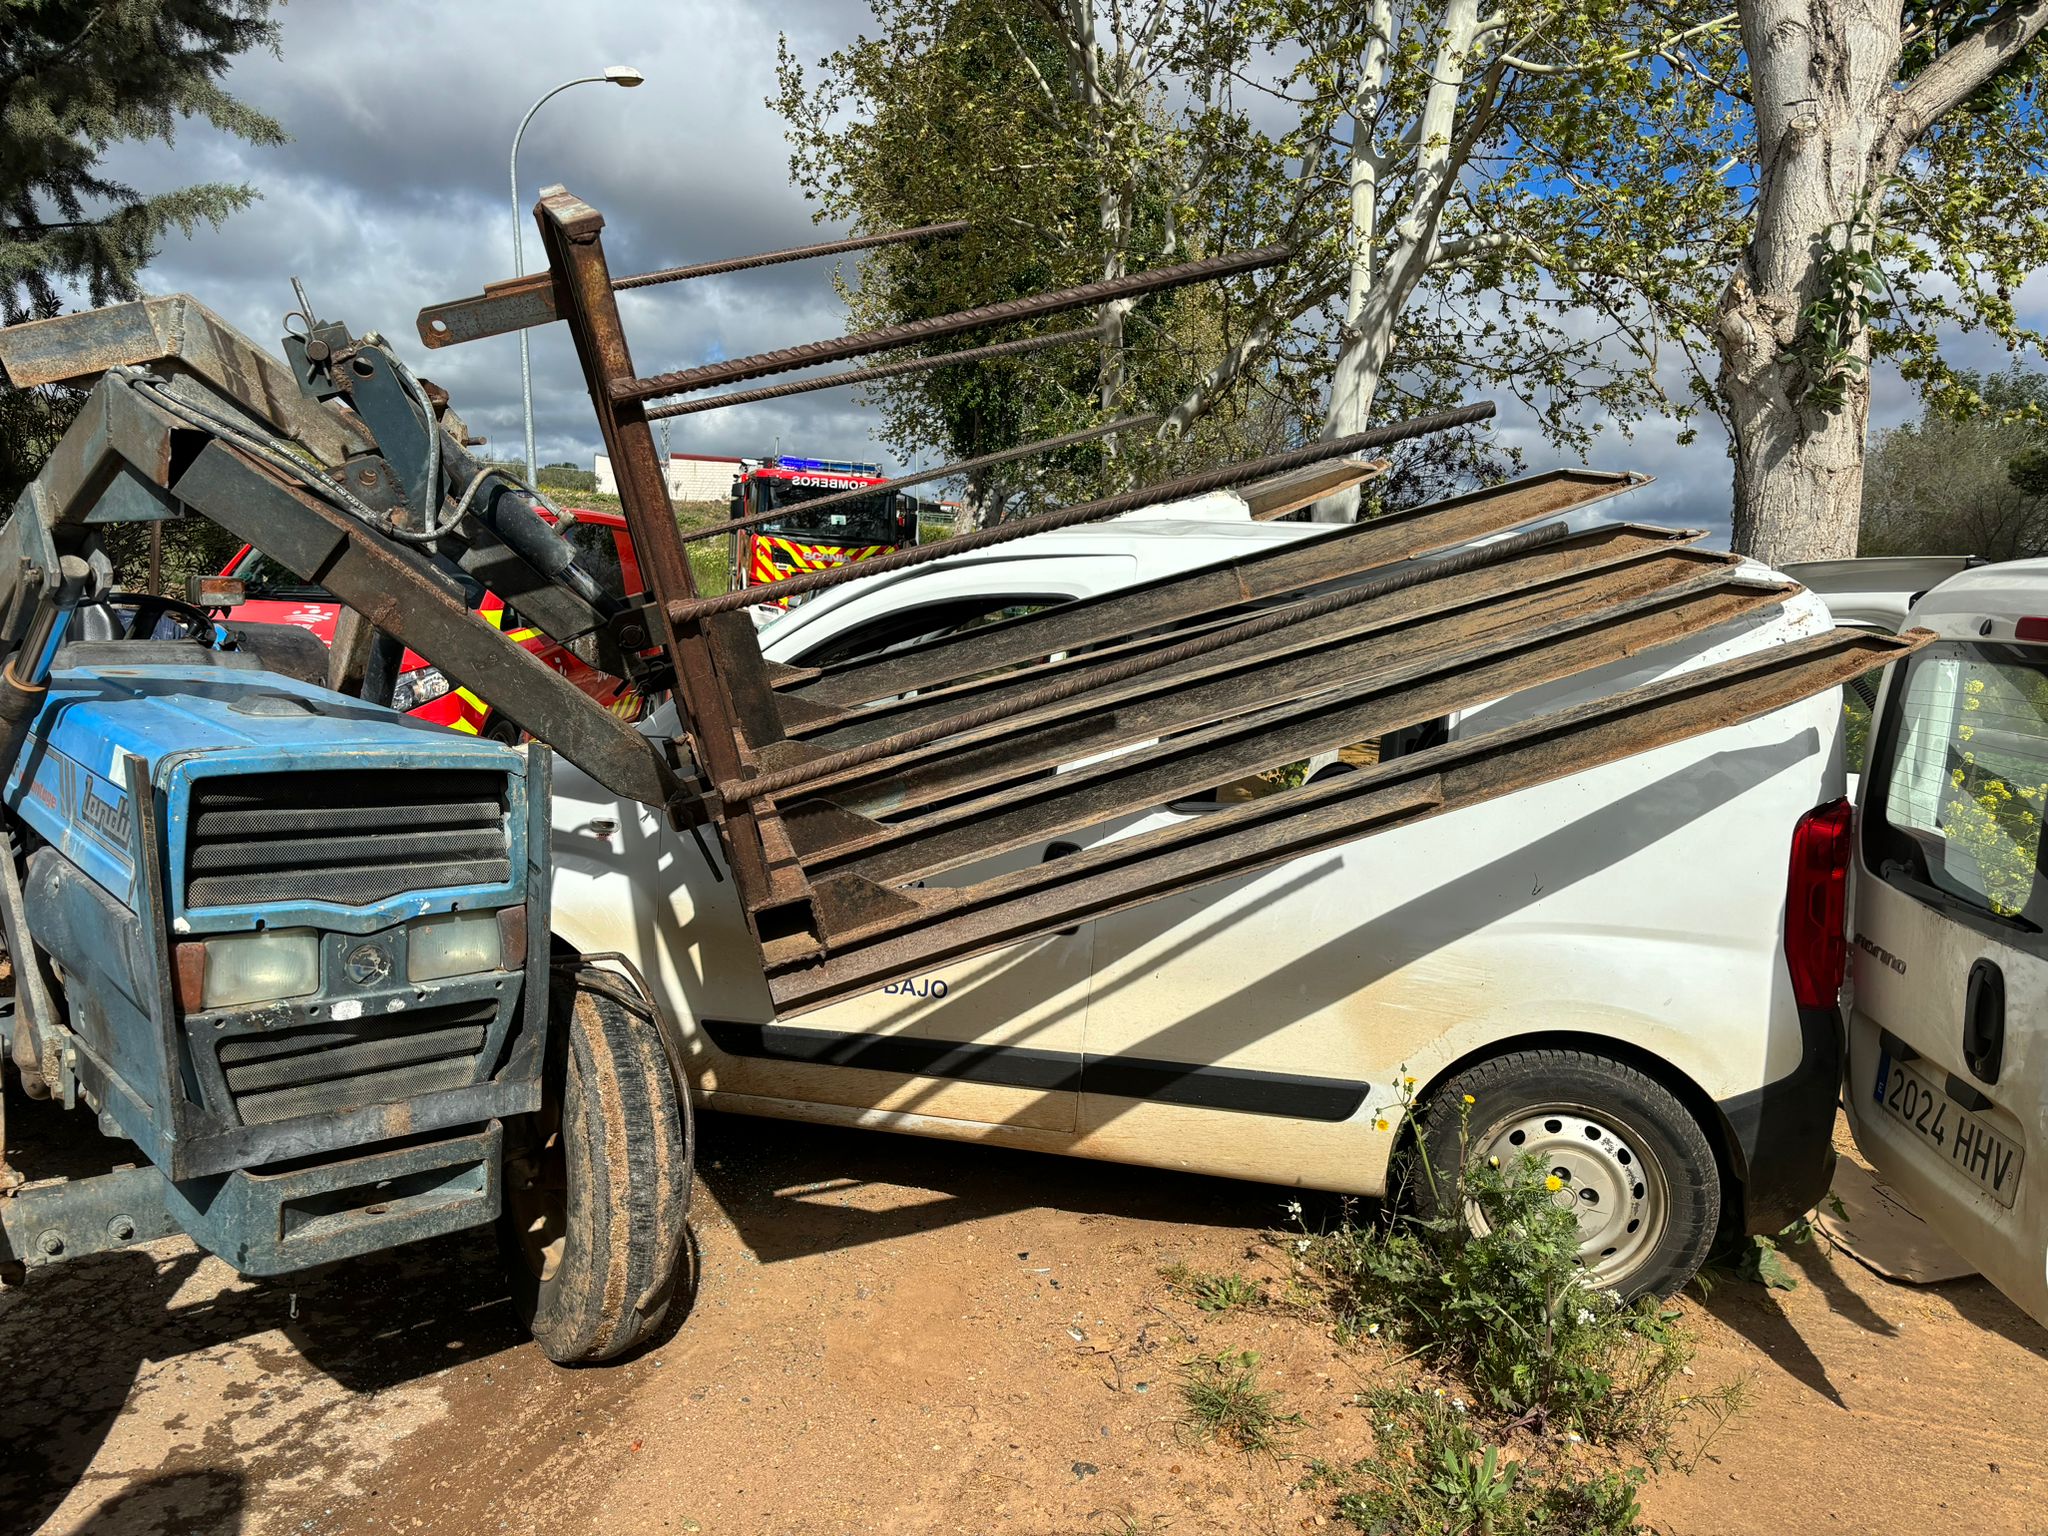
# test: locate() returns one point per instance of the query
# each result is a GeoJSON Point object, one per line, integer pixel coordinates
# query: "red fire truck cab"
{"type": "Point", "coordinates": [808, 537]}
{"type": "Point", "coordinates": [603, 547]}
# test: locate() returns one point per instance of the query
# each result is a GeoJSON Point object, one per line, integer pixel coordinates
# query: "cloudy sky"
{"type": "Point", "coordinates": [393, 194]}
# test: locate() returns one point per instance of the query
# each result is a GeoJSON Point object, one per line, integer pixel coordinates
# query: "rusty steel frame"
{"type": "Point", "coordinates": [839, 790]}
{"type": "Point", "coordinates": [936, 926]}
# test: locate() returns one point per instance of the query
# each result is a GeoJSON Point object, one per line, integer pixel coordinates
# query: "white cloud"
{"type": "Point", "coordinates": [392, 195]}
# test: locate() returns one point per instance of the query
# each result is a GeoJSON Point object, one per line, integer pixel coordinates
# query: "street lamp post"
{"type": "Point", "coordinates": [617, 74]}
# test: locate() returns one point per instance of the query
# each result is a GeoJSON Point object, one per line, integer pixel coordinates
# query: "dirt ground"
{"type": "Point", "coordinates": [902, 1336]}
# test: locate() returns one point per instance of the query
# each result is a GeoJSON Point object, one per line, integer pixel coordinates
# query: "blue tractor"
{"type": "Point", "coordinates": [291, 944]}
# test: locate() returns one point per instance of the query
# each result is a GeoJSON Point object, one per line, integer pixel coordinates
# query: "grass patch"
{"type": "Point", "coordinates": [1434, 1472]}
{"type": "Point", "coordinates": [1509, 1309]}
{"type": "Point", "coordinates": [1224, 1402]}
{"type": "Point", "coordinates": [1212, 1292]}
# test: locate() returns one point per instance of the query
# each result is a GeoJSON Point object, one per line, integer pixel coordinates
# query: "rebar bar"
{"type": "Point", "coordinates": [794, 253]}
{"type": "Point", "coordinates": [687, 609]}
{"type": "Point", "coordinates": [1412, 574]}
{"type": "Point", "coordinates": [944, 471]}
{"type": "Point", "coordinates": [911, 332]}
{"type": "Point", "coordinates": [878, 371]}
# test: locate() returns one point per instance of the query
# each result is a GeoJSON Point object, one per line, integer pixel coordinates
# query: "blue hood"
{"type": "Point", "coordinates": [184, 721]}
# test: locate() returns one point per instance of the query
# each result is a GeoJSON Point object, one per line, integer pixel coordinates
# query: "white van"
{"type": "Point", "coordinates": [1948, 999]}
{"type": "Point", "coordinates": [1601, 962]}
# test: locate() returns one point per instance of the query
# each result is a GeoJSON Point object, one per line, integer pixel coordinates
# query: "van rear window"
{"type": "Point", "coordinates": [1964, 780]}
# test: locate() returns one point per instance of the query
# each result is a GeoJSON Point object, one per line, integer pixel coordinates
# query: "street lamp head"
{"type": "Point", "coordinates": [623, 74]}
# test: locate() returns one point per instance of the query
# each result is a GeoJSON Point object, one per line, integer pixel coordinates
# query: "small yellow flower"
{"type": "Point", "coordinates": [1493, 1162]}
{"type": "Point", "coordinates": [1470, 1100]}
{"type": "Point", "coordinates": [1408, 1081]}
{"type": "Point", "coordinates": [1379, 1125]}
{"type": "Point", "coordinates": [1552, 1183]}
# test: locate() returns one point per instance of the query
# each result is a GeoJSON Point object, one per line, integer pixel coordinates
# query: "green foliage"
{"type": "Point", "coordinates": [1434, 1473]}
{"type": "Point", "coordinates": [1223, 1401]}
{"type": "Point", "coordinates": [1958, 481]}
{"type": "Point", "coordinates": [77, 77]}
{"type": "Point", "coordinates": [1508, 1305]}
{"type": "Point", "coordinates": [1962, 223]}
{"type": "Point", "coordinates": [566, 477]}
{"type": "Point", "coordinates": [1566, 201]}
{"type": "Point", "coordinates": [1212, 1292]}
{"type": "Point", "coordinates": [1826, 345]}
{"type": "Point", "coordinates": [2027, 471]}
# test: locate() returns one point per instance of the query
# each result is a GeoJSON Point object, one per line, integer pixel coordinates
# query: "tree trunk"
{"type": "Point", "coordinates": [1822, 76]}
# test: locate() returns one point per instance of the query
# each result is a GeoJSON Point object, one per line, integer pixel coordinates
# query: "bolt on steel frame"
{"type": "Point", "coordinates": [839, 790]}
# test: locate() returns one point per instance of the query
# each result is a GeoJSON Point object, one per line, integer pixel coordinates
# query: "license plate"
{"type": "Point", "coordinates": [1985, 1157]}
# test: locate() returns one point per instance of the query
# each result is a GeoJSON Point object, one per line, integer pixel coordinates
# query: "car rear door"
{"type": "Point", "coordinates": [1948, 1016]}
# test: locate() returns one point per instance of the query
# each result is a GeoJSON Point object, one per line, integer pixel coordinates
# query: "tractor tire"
{"type": "Point", "coordinates": [597, 1184]}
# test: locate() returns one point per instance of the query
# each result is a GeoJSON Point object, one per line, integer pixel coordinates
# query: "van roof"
{"type": "Point", "coordinates": [2013, 589]}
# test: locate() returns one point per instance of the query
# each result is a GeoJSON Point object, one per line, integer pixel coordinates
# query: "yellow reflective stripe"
{"type": "Point", "coordinates": [463, 726]}
{"type": "Point", "coordinates": [522, 634]}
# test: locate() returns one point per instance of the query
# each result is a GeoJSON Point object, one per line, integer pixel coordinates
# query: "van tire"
{"type": "Point", "coordinates": [1647, 1130]}
{"type": "Point", "coordinates": [602, 1173]}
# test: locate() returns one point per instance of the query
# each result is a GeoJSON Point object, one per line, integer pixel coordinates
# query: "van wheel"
{"type": "Point", "coordinates": [498, 728]}
{"type": "Point", "coordinates": [597, 1184]}
{"type": "Point", "coordinates": [1638, 1171]}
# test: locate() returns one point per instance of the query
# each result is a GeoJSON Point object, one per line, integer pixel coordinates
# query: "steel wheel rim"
{"type": "Point", "coordinates": [1617, 1191]}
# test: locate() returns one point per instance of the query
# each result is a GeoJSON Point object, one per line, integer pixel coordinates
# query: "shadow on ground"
{"type": "Point", "coordinates": [763, 1172]}
{"type": "Point", "coordinates": [75, 1337]}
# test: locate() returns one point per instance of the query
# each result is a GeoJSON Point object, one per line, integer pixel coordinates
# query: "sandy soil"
{"type": "Point", "coordinates": [900, 1336]}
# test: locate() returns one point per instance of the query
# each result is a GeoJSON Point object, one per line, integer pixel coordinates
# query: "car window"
{"type": "Point", "coordinates": [263, 578]}
{"type": "Point", "coordinates": [597, 551]}
{"type": "Point", "coordinates": [1964, 767]}
{"type": "Point", "coordinates": [912, 626]}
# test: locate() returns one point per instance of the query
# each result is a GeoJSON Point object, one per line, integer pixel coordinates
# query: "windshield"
{"type": "Point", "coordinates": [263, 578]}
{"type": "Point", "coordinates": [865, 521]}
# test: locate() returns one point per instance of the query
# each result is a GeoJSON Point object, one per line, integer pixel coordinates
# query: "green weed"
{"type": "Point", "coordinates": [1212, 1292]}
{"type": "Point", "coordinates": [1223, 1401]}
{"type": "Point", "coordinates": [1435, 1473]}
{"type": "Point", "coordinates": [1509, 1306]}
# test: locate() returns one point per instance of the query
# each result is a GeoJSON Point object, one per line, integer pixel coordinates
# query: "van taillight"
{"type": "Point", "coordinates": [1816, 894]}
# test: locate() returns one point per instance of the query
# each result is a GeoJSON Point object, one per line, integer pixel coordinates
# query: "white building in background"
{"type": "Point", "coordinates": [691, 476]}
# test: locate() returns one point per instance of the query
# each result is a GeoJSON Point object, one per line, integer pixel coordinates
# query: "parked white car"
{"type": "Point", "coordinates": [1948, 1021]}
{"type": "Point", "coordinates": [1601, 963]}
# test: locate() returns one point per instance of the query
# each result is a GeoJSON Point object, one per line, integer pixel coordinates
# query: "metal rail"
{"type": "Point", "coordinates": [818, 504]}
{"type": "Point", "coordinates": [847, 376]}
{"type": "Point", "coordinates": [911, 332]}
{"type": "Point", "coordinates": [524, 302]}
{"type": "Point", "coordinates": [1086, 512]}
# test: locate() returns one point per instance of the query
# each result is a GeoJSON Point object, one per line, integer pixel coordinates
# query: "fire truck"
{"type": "Point", "coordinates": [819, 525]}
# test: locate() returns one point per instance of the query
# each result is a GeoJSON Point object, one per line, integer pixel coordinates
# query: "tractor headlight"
{"type": "Point", "coordinates": [422, 685]}
{"type": "Point", "coordinates": [260, 967]}
{"type": "Point", "coordinates": [457, 944]}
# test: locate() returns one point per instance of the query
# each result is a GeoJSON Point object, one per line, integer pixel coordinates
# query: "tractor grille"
{"type": "Point", "coordinates": [325, 1069]}
{"type": "Point", "coordinates": [351, 838]}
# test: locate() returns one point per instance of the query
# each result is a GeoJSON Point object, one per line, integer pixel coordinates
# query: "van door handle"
{"type": "Point", "coordinates": [1984, 1021]}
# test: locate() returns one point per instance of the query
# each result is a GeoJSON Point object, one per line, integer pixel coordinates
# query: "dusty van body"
{"type": "Point", "coordinates": [1599, 960]}
{"type": "Point", "coordinates": [1947, 1082]}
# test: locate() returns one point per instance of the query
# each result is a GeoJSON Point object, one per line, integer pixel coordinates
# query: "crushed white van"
{"type": "Point", "coordinates": [1602, 963]}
